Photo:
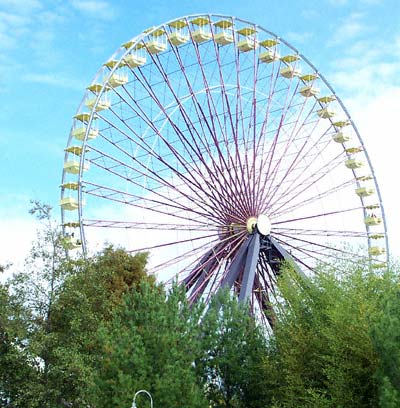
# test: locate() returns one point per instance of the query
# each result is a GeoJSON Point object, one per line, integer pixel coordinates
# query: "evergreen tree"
{"type": "Point", "coordinates": [151, 343]}
{"type": "Point", "coordinates": [233, 351]}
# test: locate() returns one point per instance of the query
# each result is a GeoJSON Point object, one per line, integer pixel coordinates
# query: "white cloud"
{"type": "Point", "coordinates": [396, 46]}
{"type": "Point", "coordinates": [50, 17]}
{"type": "Point", "coordinates": [310, 14]}
{"type": "Point", "coordinates": [93, 8]}
{"type": "Point", "coordinates": [11, 19]}
{"type": "Point", "coordinates": [377, 123]}
{"type": "Point", "coordinates": [15, 242]}
{"type": "Point", "coordinates": [372, 2]}
{"type": "Point", "coordinates": [365, 80]}
{"type": "Point", "coordinates": [365, 70]}
{"type": "Point", "coordinates": [25, 6]}
{"type": "Point", "coordinates": [365, 74]}
{"type": "Point", "coordinates": [54, 80]}
{"type": "Point", "coordinates": [348, 29]}
{"type": "Point", "coordinates": [338, 2]}
{"type": "Point", "coordinates": [7, 41]}
{"type": "Point", "coordinates": [12, 27]}
{"type": "Point", "coordinates": [297, 37]}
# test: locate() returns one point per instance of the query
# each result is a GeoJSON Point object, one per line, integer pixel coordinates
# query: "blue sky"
{"type": "Point", "coordinates": [50, 50]}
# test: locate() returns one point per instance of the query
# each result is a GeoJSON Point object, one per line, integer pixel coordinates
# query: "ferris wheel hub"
{"type": "Point", "coordinates": [262, 222]}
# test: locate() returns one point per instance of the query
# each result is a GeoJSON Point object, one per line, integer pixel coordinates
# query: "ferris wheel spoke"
{"type": "Point", "coordinates": [322, 258]}
{"type": "Point", "coordinates": [209, 269]}
{"type": "Point", "coordinates": [234, 160]}
{"type": "Point", "coordinates": [306, 261]}
{"type": "Point", "coordinates": [215, 177]}
{"type": "Point", "coordinates": [186, 144]}
{"type": "Point", "coordinates": [318, 215]}
{"type": "Point", "coordinates": [204, 267]}
{"type": "Point", "coordinates": [284, 111]}
{"type": "Point", "coordinates": [218, 168]}
{"type": "Point", "coordinates": [170, 201]}
{"type": "Point", "coordinates": [264, 290]}
{"type": "Point", "coordinates": [188, 175]}
{"type": "Point", "coordinates": [193, 252]}
{"type": "Point", "coordinates": [160, 208]}
{"type": "Point", "coordinates": [196, 252]}
{"type": "Point", "coordinates": [296, 251]}
{"type": "Point", "coordinates": [146, 170]}
{"type": "Point", "coordinates": [319, 232]}
{"type": "Point", "coordinates": [298, 135]}
{"type": "Point", "coordinates": [150, 151]}
{"type": "Point", "coordinates": [317, 257]}
{"type": "Point", "coordinates": [213, 112]}
{"type": "Point", "coordinates": [219, 204]}
{"type": "Point", "coordinates": [291, 137]}
{"type": "Point", "coordinates": [151, 226]}
{"type": "Point", "coordinates": [297, 181]}
{"type": "Point", "coordinates": [302, 187]}
{"type": "Point", "coordinates": [235, 251]}
{"type": "Point", "coordinates": [188, 122]}
{"type": "Point", "coordinates": [312, 199]}
{"type": "Point", "coordinates": [268, 160]}
{"type": "Point", "coordinates": [267, 274]}
{"type": "Point", "coordinates": [274, 76]}
{"type": "Point", "coordinates": [266, 116]}
{"type": "Point", "coordinates": [227, 114]}
{"type": "Point", "coordinates": [240, 130]}
{"type": "Point", "coordinates": [191, 167]}
{"type": "Point", "coordinates": [208, 278]}
{"type": "Point", "coordinates": [250, 138]}
{"type": "Point", "coordinates": [316, 244]}
{"type": "Point", "coordinates": [266, 281]}
{"type": "Point", "coordinates": [239, 121]}
{"type": "Point", "coordinates": [264, 303]}
{"type": "Point", "coordinates": [177, 242]}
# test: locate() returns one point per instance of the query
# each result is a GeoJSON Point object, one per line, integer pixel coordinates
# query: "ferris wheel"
{"type": "Point", "coordinates": [216, 146]}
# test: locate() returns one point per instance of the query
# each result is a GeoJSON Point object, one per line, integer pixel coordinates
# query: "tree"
{"type": "Point", "coordinates": [89, 298]}
{"type": "Point", "coordinates": [233, 351]}
{"type": "Point", "coordinates": [386, 337]}
{"type": "Point", "coordinates": [322, 353]}
{"type": "Point", "coordinates": [31, 296]}
{"type": "Point", "coordinates": [17, 371]}
{"type": "Point", "coordinates": [57, 304]}
{"type": "Point", "coordinates": [150, 343]}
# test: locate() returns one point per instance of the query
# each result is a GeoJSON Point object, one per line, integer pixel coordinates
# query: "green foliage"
{"type": "Point", "coordinates": [322, 350]}
{"type": "Point", "coordinates": [15, 369]}
{"type": "Point", "coordinates": [386, 337]}
{"type": "Point", "coordinates": [95, 288]}
{"type": "Point", "coordinates": [233, 348]}
{"type": "Point", "coordinates": [88, 298]}
{"type": "Point", "coordinates": [29, 316]}
{"type": "Point", "coordinates": [51, 313]}
{"type": "Point", "coordinates": [151, 343]}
